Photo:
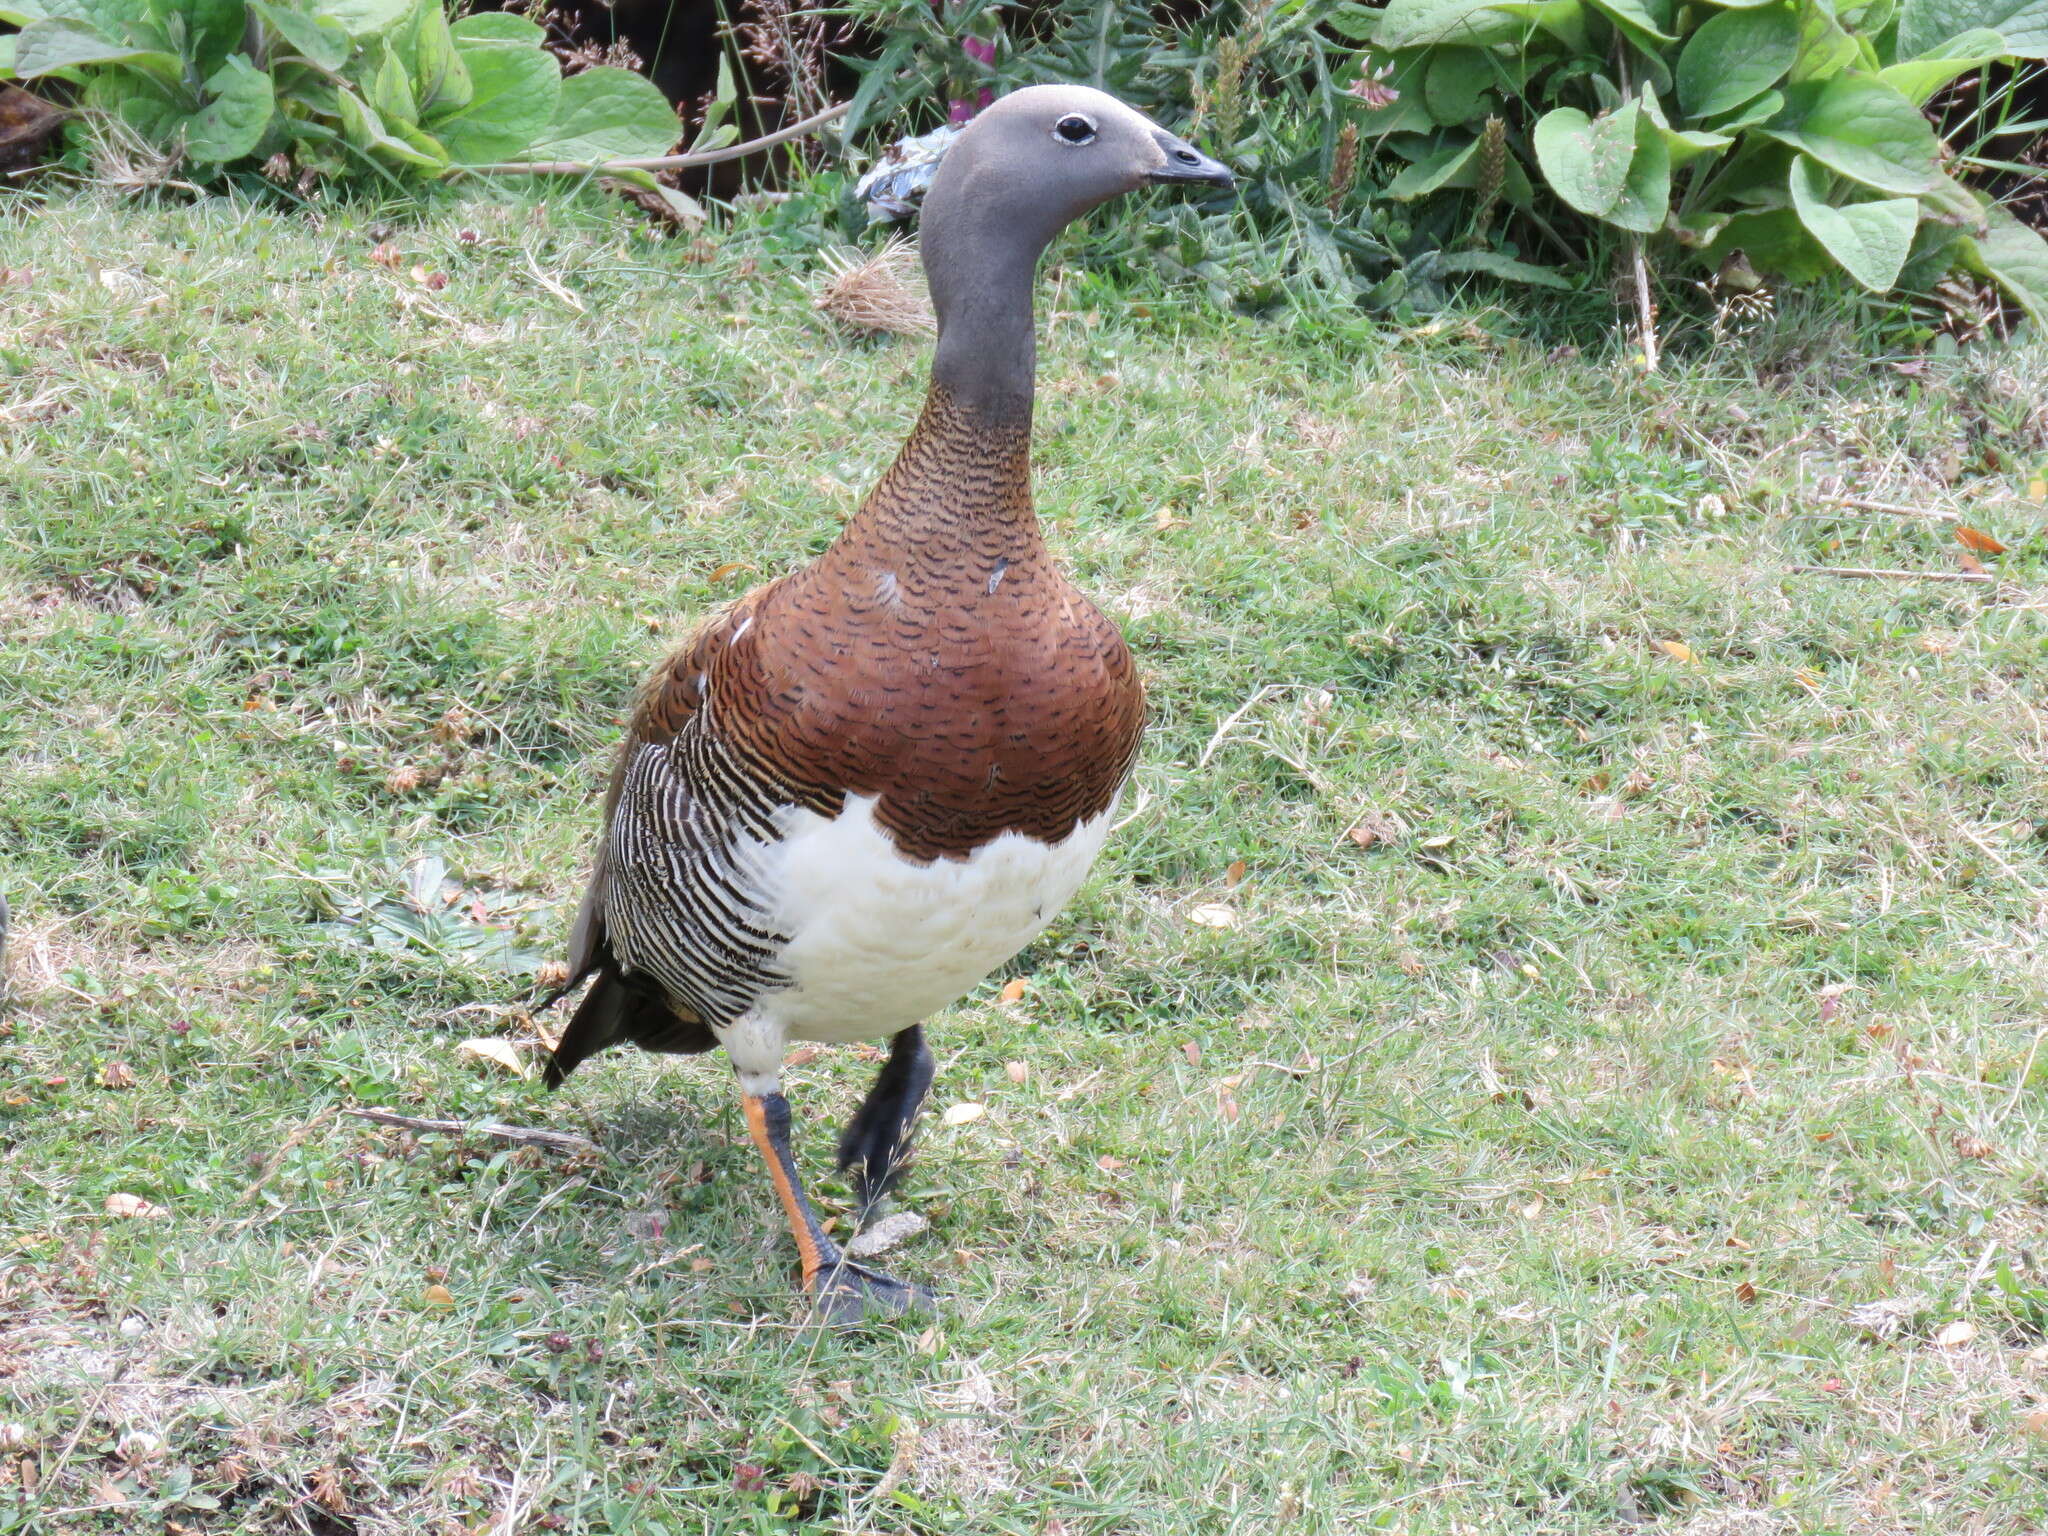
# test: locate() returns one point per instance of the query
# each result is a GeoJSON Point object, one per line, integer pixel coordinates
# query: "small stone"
{"type": "Point", "coordinates": [890, 1232]}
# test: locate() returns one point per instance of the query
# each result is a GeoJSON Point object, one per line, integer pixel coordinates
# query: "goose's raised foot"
{"type": "Point", "coordinates": [846, 1293]}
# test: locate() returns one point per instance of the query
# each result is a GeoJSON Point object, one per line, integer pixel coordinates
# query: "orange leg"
{"type": "Point", "coordinates": [768, 1122]}
{"type": "Point", "coordinates": [846, 1291]}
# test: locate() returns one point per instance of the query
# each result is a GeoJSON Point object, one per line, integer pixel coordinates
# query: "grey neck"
{"type": "Point", "coordinates": [987, 356]}
{"type": "Point", "coordinates": [981, 260]}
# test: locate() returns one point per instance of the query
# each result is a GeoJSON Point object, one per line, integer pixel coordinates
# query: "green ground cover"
{"type": "Point", "coordinates": [1557, 1046]}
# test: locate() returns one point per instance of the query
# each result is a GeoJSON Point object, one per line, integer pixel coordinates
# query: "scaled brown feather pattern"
{"type": "Point", "coordinates": [992, 695]}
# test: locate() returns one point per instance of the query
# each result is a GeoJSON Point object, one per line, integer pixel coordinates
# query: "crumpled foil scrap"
{"type": "Point", "coordinates": [895, 183]}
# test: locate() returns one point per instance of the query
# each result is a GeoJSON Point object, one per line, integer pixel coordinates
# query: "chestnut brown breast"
{"type": "Point", "coordinates": [934, 657]}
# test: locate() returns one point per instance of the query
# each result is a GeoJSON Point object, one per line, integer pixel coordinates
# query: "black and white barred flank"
{"type": "Point", "coordinates": [683, 901]}
{"type": "Point", "coordinates": [676, 928]}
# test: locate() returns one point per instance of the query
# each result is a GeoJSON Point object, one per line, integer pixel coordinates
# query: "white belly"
{"type": "Point", "coordinates": [878, 942]}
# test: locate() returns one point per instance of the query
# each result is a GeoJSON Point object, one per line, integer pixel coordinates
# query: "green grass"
{"type": "Point", "coordinates": [1598, 1023]}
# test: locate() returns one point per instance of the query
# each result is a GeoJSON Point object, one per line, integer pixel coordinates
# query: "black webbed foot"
{"type": "Point", "coordinates": [875, 1147]}
{"type": "Point", "coordinates": [846, 1293]}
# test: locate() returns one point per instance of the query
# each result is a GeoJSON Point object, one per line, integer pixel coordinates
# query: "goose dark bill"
{"type": "Point", "coordinates": [1186, 164]}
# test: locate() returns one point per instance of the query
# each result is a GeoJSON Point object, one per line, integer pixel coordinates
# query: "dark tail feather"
{"type": "Point", "coordinates": [620, 1008]}
{"type": "Point", "coordinates": [599, 1022]}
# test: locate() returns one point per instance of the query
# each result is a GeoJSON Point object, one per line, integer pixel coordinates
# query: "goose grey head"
{"type": "Point", "coordinates": [1043, 156]}
{"type": "Point", "coordinates": [1019, 173]}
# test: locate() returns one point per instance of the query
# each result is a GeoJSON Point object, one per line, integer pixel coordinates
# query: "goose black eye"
{"type": "Point", "coordinates": [1074, 129]}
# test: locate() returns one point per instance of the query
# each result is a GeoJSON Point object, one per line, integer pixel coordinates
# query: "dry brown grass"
{"type": "Point", "coordinates": [882, 293]}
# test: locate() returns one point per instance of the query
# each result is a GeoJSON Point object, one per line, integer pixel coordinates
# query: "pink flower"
{"type": "Point", "coordinates": [1373, 90]}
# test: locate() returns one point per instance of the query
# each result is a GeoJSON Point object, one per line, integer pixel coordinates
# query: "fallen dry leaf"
{"type": "Point", "coordinates": [1016, 1071]}
{"type": "Point", "coordinates": [1013, 989]}
{"type": "Point", "coordinates": [2037, 490]}
{"type": "Point", "coordinates": [2036, 1423]}
{"type": "Point", "coordinates": [1109, 1164]}
{"type": "Point", "coordinates": [1235, 874]}
{"type": "Point", "coordinates": [1745, 1292]}
{"type": "Point", "coordinates": [133, 1205]}
{"type": "Point", "coordinates": [1213, 914]}
{"type": "Point", "coordinates": [700, 1266]}
{"type": "Point", "coordinates": [496, 1048]}
{"type": "Point", "coordinates": [1970, 563]}
{"type": "Point", "coordinates": [1678, 650]}
{"type": "Point", "coordinates": [117, 1074]}
{"type": "Point", "coordinates": [1192, 1051]}
{"type": "Point", "coordinates": [802, 1056]}
{"type": "Point", "coordinates": [730, 568]}
{"type": "Point", "coordinates": [1375, 827]}
{"type": "Point", "coordinates": [1954, 1335]}
{"type": "Point", "coordinates": [438, 1296]}
{"type": "Point", "coordinates": [963, 1114]}
{"type": "Point", "coordinates": [1972, 538]}
{"type": "Point", "coordinates": [1226, 1101]}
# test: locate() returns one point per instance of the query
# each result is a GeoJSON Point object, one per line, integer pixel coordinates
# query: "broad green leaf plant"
{"type": "Point", "coordinates": [344, 87]}
{"type": "Point", "coordinates": [1790, 131]}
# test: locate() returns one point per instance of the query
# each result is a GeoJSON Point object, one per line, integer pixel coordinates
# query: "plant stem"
{"type": "Point", "coordinates": [654, 162]}
{"type": "Point", "coordinates": [1646, 312]}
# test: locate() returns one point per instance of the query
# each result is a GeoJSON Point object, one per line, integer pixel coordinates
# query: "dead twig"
{"type": "Point", "coordinates": [1235, 715]}
{"type": "Point", "coordinates": [554, 286]}
{"type": "Point", "coordinates": [276, 1159]}
{"type": "Point", "coordinates": [1893, 509]}
{"type": "Point", "coordinates": [1871, 573]}
{"type": "Point", "coordinates": [1976, 840]}
{"type": "Point", "coordinates": [1646, 310]}
{"type": "Point", "coordinates": [657, 162]}
{"type": "Point", "coordinates": [554, 1141]}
